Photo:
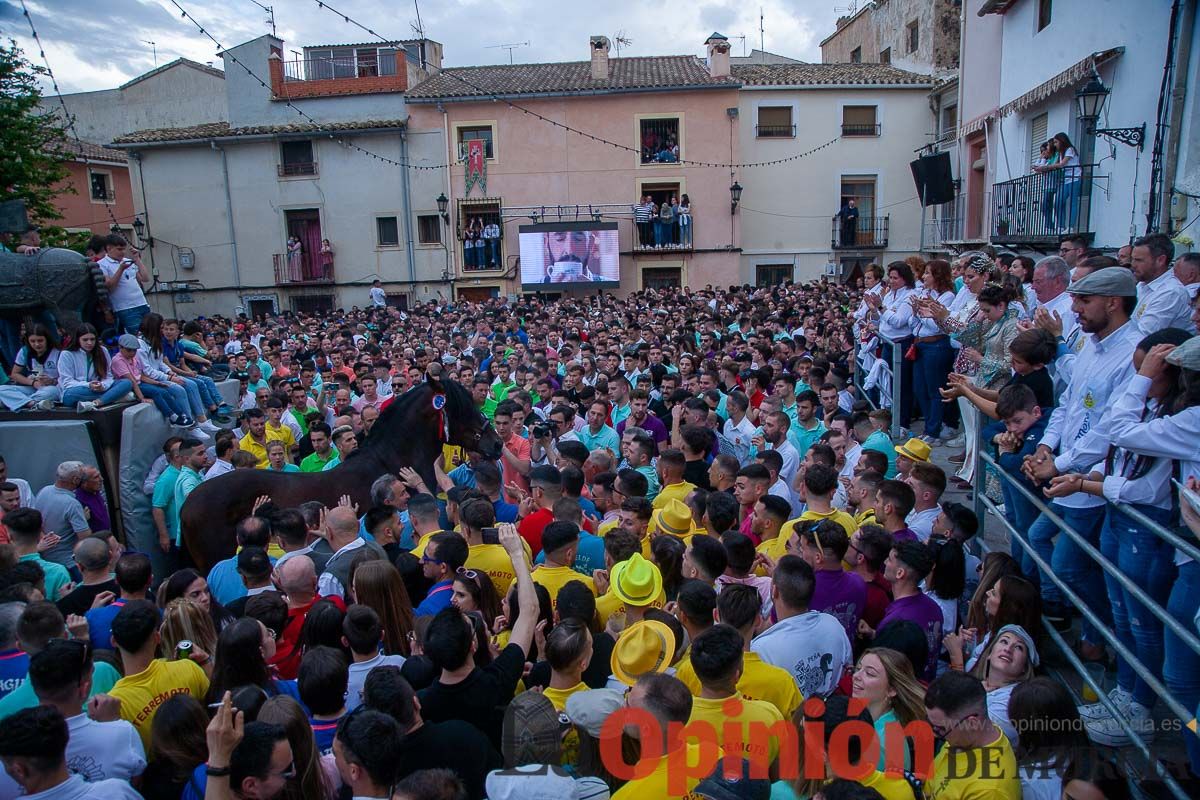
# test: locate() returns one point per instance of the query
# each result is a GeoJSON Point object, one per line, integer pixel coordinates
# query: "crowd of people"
{"type": "Point", "coordinates": [700, 560]}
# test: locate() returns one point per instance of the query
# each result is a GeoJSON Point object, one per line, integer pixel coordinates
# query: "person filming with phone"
{"type": "Point", "coordinates": [124, 277]}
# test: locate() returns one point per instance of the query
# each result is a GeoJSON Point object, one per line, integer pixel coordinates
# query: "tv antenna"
{"type": "Point", "coordinates": [762, 33]}
{"type": "Point", "coordinates": [621, 39]}
{"type": "Point", "coordinates": [851, 9]}
{"type": "Point", "coordinates": [270, 14]}
{"type": "Point", "coordinates": [741, 36]}
{"type": "Point", "coordinates": [509, 48]}
{"type": "Point", "coordinates": [153, 50]}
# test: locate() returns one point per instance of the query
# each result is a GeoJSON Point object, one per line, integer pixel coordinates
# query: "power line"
{"type": "Point", "coordinates": [344, 142]}
{"type": "Point", "coordinates": [67, 117]}
{"type": "Point", "coordinates": [600, 140]}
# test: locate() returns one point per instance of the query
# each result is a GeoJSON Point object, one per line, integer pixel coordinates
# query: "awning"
{"type": "Point", "coordinates": [976, 125]}
{"type": "Point", "coordinates": [1063, 80]}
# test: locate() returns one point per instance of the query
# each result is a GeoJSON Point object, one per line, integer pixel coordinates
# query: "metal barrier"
{"type": "Point", "coordinates": [896, 388]}
{"type": "Point", "coordinates": [1185, 715]}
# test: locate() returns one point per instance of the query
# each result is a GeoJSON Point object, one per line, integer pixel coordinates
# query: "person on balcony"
{"type": "Point", "coordinates": [326, 260]}
{"type": "Point", "coordinates": [491, 238]}
{"type": "Point", "coordinates": [481, 258]}
{"type": "Point", "coordinates": [642, 213]}
{"type": "Point", "coordinates": [294, 254]}
{"type": "Point", "coordinates": [666, 222]}
{"type": "Point", "coordinates": [849, 217]}
{"type": "Point", "coordinates": [1045, 164]}
{"type": "Point", "coordinates": [1066, 206]}
{"type": "Point", "coordinates": [685, 221]}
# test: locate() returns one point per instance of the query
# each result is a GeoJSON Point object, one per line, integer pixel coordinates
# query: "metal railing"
{"type": "Point", "coordinates": [860, 129]}
{"type": "Point", "coordinates": [890, 377]}
{"type": "Point", "coordinates": [949, 222]}
{"type": "Point", "coordinates": [324, 69]}
{"type": "Point", "coordinates": [300, 269]}
{"type": "Point", "coordinates": [984, 504]}
{"type": "Point", "coordinates": [653, 237]}
{"type": "Point", "coordinates": [1042, 207]}
{"type": "Point", "coordinates": [487, 258]}
{"type": "Point", "coordinates": [297, 168]}
{"type": "Point", "coordinates": [865, 233]}
{"type": "Point", "coordinates": [775, 131]}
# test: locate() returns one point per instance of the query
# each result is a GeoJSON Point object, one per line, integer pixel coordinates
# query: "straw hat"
{"type": "Point", "coordinates": [674, 518]}
{"type": "Point", "coordinates": [645, 647]}
{"type": "Point", "coordinates": [636, 581]}
{"type": "Point", "coordinates": [914, 450]}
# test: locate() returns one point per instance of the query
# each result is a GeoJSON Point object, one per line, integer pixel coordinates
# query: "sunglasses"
{"type": "Point", "coordinates": [469, 574]}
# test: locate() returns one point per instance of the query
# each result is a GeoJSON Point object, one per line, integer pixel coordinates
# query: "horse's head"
{"type": "Point", "coordinates": [463, 424]}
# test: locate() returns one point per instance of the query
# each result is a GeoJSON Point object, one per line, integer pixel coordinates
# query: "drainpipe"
{"type": "Point", "coordinates": [412, 265]}
{"type": "Point", "coordinates": [450, 252]}
{"type": "Point", "coordinates": [237, 273]}
{"type": "Point", "coordinates": [1183, 55]}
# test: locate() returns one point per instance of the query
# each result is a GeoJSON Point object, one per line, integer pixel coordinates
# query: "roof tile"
{"type": "Point", "coordinates": [221, 130]}
{"type": "Point", "coordinates": [827, 75]}
{"type": "Point", "coordinates": [570, 77]}
{"type": "Point", "coordinates": [79, 150]}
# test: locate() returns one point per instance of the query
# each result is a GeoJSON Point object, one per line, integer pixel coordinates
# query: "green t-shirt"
{"type": "Point", "coordinates": [313, 462]}
{"type": "Point", "coordinates": [56, 575]}
{"type": "Point", "coordinates": [164, 498]}
{"type": "Point", "coordinates": [104, 677]}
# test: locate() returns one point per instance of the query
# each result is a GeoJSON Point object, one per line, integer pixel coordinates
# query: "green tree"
{"type": "Point", "coordinates": [32, 166]}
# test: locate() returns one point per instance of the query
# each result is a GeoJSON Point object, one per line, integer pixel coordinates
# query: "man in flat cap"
{"type": "Point", "coordinates": [1103, 302]}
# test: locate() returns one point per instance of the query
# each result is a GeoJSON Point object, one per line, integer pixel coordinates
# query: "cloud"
{"type": "Point", "coordinates": [90, 51]}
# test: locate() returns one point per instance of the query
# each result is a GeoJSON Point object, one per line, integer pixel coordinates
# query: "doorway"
{"type": "Point", "coordinates": [261, 308]}
{"type": "Point", "coordinates": [477, 294]}
{"type": "Point", "coordinates": [305, 225]}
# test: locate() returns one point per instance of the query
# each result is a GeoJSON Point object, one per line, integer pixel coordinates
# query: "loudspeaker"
{"type": "Point", "coordinates": [932, 175]}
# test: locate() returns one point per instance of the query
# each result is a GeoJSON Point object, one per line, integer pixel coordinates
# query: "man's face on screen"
{"type": "Point", "coordinates": [565, 247]}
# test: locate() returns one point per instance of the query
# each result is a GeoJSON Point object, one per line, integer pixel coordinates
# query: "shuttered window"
{"type": "Point", "coordinates": [1038, 133]}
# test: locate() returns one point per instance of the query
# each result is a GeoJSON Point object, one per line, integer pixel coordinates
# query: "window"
{"type": "Point", "coordinates": [856, 55]}
{"type": "Point", "coordinates": [775, 122]}
{"type": "Point", "coordinates": [470, 132]}
{"type": "Point", "coordinates": [914, 36]}
{"type": "Point", "coordinates": [660, 140]}
{"type": "Point", "coordinates": [862, 189]}
{"type": "Point", "coordinates": [1044, 13]}
{"type": "Point", "coordinates": [772, 274]}
{"type": "Point", "coordinates": [885, 55]}
{"type": "Point", "coordinates": [312, 304]}
{"type": "Point", "coordinates": [101, 185]}
{"type": "Point", "coordinates": [296, 158]}
{"type": "Point", "coordinates": [1038, 133]}
{"type": "Point", "coordinates": [387, 232]}
{"type": "Point", "coordinates": [949, 122]}
{"type": "Point", "coordinates": [481, 234]}
{"type": "Point", "coordinates": [662, 278]}
{"type": "Point", "coordinates": [859, 121]}
{"type": "Point", "coordinates": [429, 229]}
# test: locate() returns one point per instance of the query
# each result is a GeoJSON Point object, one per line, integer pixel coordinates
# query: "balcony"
{"type": "Point", "coordinates": [300, 270]}
{"type": "Point", "coordinates": [326, 77]}
{"type": "Point", "coordinates": [775, 131]}
{"type": "Point", "coordinates": [668, 239]}
{"type": "Point", "coordinates": [870, 233]}
{"type": "Point", "coordinates": [857, 129]}
{"type": "Point", "coordinates": [947, 222]}
{"type": "Point", "coordinates": [297, 168]}
{"type": "Point", "coordinates": [1041, 208]}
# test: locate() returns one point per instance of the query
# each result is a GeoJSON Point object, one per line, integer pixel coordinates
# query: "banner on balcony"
{"type": "Point", "coordinates": [476, 165]}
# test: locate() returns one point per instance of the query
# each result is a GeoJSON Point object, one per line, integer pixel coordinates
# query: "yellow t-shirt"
{"type": "Point", "coordinates": [282, 433]}
{"type": "Point", "coordinates": [987, 773]}
{"type": "Point", "coordinates": [759, 681]}
{"type": "Point", "coordinates": [774, 549]}
{"type": "Point", "coordinates": [675, 491]}
{"type": "Point", "coordinates": [605, 527]}
{"type": "Point", "coordinates": [570, 743]}
{"type": "Point", "coordinates": [493, 559]}
{"type": "Point", "coordinates": [554, 578]}
{"type": "Point", "coordinates": [419, 549]}
{"type": "Point", "coordinates": [753, 716]}
{"type": "Point", "coordinates": [837, 515]}
{"type": "Point", "coordinates": [890, 788]}
{"type": "Point", "coordinates": [259, 451]}
{"type": "Point", "coordinates": [142, 694]}
{"type": "Point", "coordinates": [701, 759]}
{"type": "Point", "coordinates": [609, 604]}
{"type": "Point", "coordinates": [866, 517]}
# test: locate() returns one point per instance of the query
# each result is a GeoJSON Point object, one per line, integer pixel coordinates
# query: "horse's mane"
{"type": "Point", "coordinates": [459, 404]}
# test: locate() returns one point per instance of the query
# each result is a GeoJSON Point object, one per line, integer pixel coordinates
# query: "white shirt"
{"type": "Point", "coordinates": [1163, 303]}
{"type": "Point", "coordinates": [378, 296]}
{"type": "Point", "coordinates": [740, 435]}
{"type": "Point", "coordinates": [218, 468]}
{"type": "Point", "coordinates": [896, 314]}
{"type": "Point", "coordinates": [929, 327]}
{"type": "Point", "coordinates": [812, 646]}
{"type": "Point", "coordinates": [791, 460]}
{"type": "Point", "coordinates": [26, 493]}
{"type": "Point", "coordinates": [358, 677]}
{"type": "Point", "coordinates": [921, 523]}
{"type": "Point", "coordinates": [111, 752]}
{"type": "Point", "coordinates": [1101, 371]}
{"type": "Point", "coordinates": [75, 368]}
{"type": "Point", "coordinates": [128, 291]}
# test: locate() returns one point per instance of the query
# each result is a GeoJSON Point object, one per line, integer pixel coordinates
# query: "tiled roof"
{"type": "Point", "coordinates": [221, 130]}
{"type": "Point", "coordinates": [827, 75]}
{"type": "Point", "coordinates": [569, 77]}
{"type": "Point", "coordinates": [79, 150]}
{"type": "Point", "coordinates": [186, 62]}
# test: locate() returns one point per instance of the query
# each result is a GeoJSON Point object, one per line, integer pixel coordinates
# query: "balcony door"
{"type": "Point", "coordinates": [862, 189]}
{"type": "Point", "coordinates": [305, 225]}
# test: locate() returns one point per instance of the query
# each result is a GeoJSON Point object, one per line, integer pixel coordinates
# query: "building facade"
{"type": "Point", "coordinates": [915, 35]}
{"type": "Point", "coordinates": [271, 209]}
{"type": "Point", "coordinates": [872, 118]}
{"type": "Point", "coordinates": [96, 193]}
{"type": "Point", "coordinates": [645, 124]}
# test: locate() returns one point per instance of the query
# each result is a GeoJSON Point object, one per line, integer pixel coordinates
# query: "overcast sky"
{"type": "Point", "coordinates": [99, 44]}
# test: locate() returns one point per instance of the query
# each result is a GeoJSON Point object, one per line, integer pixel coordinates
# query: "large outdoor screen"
{"type": "Point", "coordinates": [570, 253]}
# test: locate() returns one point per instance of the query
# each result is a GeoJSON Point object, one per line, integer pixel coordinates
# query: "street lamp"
{"type": "Point", "coordinates": [1089, 103]}
{"type": "Point", "coordinates": [735, 196]}
{"type": "Point", "coordinates": [442, 203]}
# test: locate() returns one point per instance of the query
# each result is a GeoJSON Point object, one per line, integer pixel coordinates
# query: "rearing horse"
{"type": "Point", "coordinates": [409, 433]}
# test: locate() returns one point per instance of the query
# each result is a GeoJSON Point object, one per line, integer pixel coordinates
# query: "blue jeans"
{"type": "Point", "coordinates": [1066, 205]}
{"type": "Point", "coordinates": [1070, 563]}
{"type": "Point", "coordinates": [76, 394]}
{"type": "Point", "coordinates": [129, 320]}
{"type": "Point", "coordinates": [1021, 514]}
{"type": "Point", "coordinates": [685, 231]}
{"type": "Point", "coordinates": [662, 233]}
{"type": "Point", "coordinates": [195, 403]}
{"type": "Point", "coordinates": [1181, 664]}
{"type": "Point", "coordinates": [933, 364]}
{"type": "Point", "coordinates": [170, 399]}
{"type": "Point", "coordinates": [1148, 561]}
{"type": "Point", "coordinates": [209, 392]}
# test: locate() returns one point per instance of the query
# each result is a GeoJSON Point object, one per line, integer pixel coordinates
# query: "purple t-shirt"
{"type": "Point", "coordinates": [927, 614]}
{"type": "Point", "coordinates": [651, 423]}
{"type": "Point", "coordinates": [905, 535]}
{"type": "Point", "coordinates": [842, 595]}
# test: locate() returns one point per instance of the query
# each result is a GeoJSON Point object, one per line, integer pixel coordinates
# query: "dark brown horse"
{"type": "Point", "coordinates": [409, 433]}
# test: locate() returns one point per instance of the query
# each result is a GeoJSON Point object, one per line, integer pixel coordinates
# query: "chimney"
{"type": "Point", "coordinates": [600, 45]}
{"type": "Point", "coordinates": [718, 56]}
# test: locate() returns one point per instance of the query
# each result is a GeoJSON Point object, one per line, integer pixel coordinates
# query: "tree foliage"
{"type": "Point", "coordinates": [32, 166]}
